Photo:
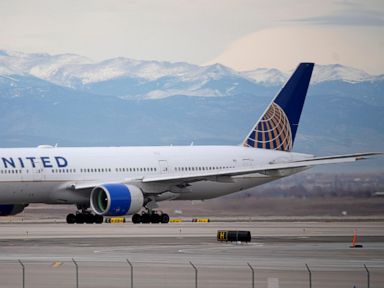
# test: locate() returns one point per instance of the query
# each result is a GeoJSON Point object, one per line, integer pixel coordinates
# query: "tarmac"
{"type": "Point", "coordinates": [282, 254]}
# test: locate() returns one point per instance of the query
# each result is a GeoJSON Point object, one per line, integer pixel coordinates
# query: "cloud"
{"type": "Point", "coordinates": [349, 17]}
{"type": "Point", "coordinates": [285, 47]}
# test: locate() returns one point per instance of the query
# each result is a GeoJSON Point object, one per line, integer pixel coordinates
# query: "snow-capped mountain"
{"type": "Point", "coordinates": [321, 73]}
{"type": "Point", "coordinates": [163, 79]}
{"type": "Point", "coordinates": [41, 65]}
{"type": "Point", "coordinates": [267, 76]}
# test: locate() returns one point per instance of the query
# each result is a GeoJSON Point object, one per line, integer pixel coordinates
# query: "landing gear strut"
{"type": "Point", "coordinates": [150, 217]}
{"type": "Point", "coordinates": [84, 216]}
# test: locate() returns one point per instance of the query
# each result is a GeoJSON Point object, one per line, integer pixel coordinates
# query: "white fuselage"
{"type": "Point", "coordinates": [47, 174]}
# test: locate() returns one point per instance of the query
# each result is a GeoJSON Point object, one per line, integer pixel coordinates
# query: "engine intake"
{"type": "Point", "coordinates": [116, 199]}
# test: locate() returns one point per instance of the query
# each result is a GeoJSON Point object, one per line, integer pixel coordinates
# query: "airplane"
{"type": "Point", "coordinates": [116, 181]}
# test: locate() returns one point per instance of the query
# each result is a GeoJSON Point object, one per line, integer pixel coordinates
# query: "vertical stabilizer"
{"type": "Point", "coordinates": [277, 127]}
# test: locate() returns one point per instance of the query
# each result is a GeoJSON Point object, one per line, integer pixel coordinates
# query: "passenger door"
{"type": "Point", "coordinates": [163, 165]}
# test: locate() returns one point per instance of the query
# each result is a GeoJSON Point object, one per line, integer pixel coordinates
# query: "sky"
{"type": "Point", "coordinates": [241, 34]}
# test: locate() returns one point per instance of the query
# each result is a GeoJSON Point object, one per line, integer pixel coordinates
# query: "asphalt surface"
{"type": "Point", "coordinates": [161, 254]}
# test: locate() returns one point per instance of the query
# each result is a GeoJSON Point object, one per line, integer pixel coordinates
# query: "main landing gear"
{"type": "Point", "coordinates": [150, 217]}
{"type": "Point", "coordinates": [84, 216]}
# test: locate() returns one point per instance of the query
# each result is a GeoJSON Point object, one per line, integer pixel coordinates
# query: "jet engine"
{"type": "Point", "coordinates": [11, 209]}
{"type": "Point", "coordinates": [116, 199]}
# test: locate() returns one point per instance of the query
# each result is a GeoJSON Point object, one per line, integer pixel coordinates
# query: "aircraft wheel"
{"type": "Point", "coordinates": [71, 219]}
{"type": "Point", "coordinates": [80, 218]}
{"type": "Point", "coordinates": [155, 218]}
{"type": "Point", "coordinates": [164, 218]}
{"type": "Point", "coordinates": [98, 219]}
{"type": "Point", "coordinates": [136, 219]}
{"type": "Point", "coordinates": [89, 218]}
{"type": "Point", "coordinates": [145, 218]}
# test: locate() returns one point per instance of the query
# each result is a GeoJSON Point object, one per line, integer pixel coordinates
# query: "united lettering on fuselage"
{"type": "Point", "coordinates": [32, 162]}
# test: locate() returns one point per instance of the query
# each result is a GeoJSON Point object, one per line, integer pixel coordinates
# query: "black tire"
{"type": "Point", "coordinates": [80, 218]}
{"type": "Point", "coordinates": [155, 218]}
{"type": "Point", "coordinates": [71, 219]}
{"type": "Point", "coordinates": [164, 218]}
{"type": "Point", "coordinates": [145, 218]}
{"type": "Point", "coordinates": [89, 218]}
{"type": "Point", "coordinates": [136, 219]}
{"type": "Point", "coordinates": [99, 219]}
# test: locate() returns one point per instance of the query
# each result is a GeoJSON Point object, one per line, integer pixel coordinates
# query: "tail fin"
{"type": "Point", "coordinates": [276, 129]}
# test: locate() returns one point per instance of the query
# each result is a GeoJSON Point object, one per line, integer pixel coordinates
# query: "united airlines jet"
{"type": "Point", "coordinates": [113, 181]}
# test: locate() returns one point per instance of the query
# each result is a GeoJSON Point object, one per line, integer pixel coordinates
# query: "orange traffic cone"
{"type": "Point", "coordinates": [354, 241]}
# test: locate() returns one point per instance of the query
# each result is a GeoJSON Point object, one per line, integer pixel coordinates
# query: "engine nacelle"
{"type": "Point", "coordinates": [116, 199]}
{"type": "Point", "coordinates": [11, 209]}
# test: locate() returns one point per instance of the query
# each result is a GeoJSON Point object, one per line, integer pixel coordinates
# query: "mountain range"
{"type": "Point", "coordinates": [72, 100]}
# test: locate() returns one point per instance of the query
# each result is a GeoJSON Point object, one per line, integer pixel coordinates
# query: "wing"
{"type": "Point", "coordinates": [225, 175]}
{"type": "Point", "coordinates": [228, 175]}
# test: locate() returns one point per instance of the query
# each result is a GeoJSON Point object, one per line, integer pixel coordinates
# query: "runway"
{"type": "Point", "coordinates": [161, 254]}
